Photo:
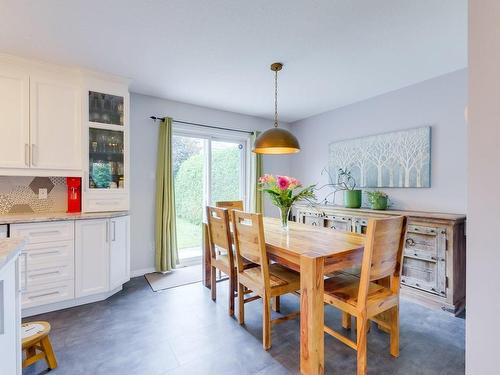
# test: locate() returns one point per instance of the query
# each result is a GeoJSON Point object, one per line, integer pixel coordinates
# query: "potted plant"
{"type": "Point", "coordinates": [281, 191]}
{"type": "Point", "coordinates": [347, 183]}
{"type": "Point", "coordinates": [378, 200]}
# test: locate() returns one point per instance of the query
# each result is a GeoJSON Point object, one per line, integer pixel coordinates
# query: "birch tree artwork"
{"type": "Point", "coordinates": [397, 159]}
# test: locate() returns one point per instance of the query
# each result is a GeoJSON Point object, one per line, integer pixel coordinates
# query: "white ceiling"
{"type": "Point", "coordinates": [217, 53]}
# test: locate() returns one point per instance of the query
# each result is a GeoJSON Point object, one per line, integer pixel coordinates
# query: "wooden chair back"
{"type": "Point", "coordinates": [249, 241]}
{"type": "Point", "coordinates": [383, 253]}
{"type": "Point", "coordinates": [219, 233]}
{"type": "Point", "coordinates": [230, 205]}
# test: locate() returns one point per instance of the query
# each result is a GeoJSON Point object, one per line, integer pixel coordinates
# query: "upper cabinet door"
{"type": "Point", "coordinates": [14, 118]}
{"type": "Point", "coordinates": [55, 123]}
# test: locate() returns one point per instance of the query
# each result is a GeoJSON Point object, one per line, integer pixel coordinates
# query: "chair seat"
{"type": "Point", "coordinates": [222, 262]}
{"type": "Point", "coordinates": [344, 287]}
{"type": "Point", "coordinates": [281, 279]}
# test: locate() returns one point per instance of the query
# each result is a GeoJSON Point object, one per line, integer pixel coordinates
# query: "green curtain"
{"type": "Point", "coordinates": [256, 171]}
{"type": "Point", "coordinates": [165, 236]}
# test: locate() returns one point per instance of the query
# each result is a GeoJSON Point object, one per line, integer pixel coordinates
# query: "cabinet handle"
{"type": "Point", "coordinates": [107, 231]}
{"type": "Point", "coordinates": [33, 154]}
{"type": "Point", "coordinates": [43, 295]}
{"type": "Point", "coordinates": [114, 230]}
{"type": "Point", "coordinates": [27, 154]}
{"type": "Point", "coordinates": [44, 274]}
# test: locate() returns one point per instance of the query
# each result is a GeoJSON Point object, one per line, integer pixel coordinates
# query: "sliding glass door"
{"type": "Point", "coordinates": [207, 169]}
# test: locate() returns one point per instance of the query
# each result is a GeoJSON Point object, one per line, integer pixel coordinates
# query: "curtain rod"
{"type": "Point", "coordinates": [154, 118]}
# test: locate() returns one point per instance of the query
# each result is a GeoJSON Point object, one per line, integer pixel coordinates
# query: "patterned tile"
{"type": "Point", "coordinates": [20, 194]}
{"type": "Point", "coordinates": [20, 208]}
{"type": "Point", "coordinates": [5, 203]}
{"type": "Point", "coordinates": [58, 181]}
{"type": "Point", "coordinates": [41, 183]}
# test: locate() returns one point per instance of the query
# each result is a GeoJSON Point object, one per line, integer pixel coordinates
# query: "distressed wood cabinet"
{"type": "Point", "coordinates": [434, 258]}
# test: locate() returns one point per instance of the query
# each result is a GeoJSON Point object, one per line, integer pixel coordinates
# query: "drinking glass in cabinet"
{"type": "Point", "coordinates": [105, 108]}
{"type": "Point", "coordinates": [106, 169]}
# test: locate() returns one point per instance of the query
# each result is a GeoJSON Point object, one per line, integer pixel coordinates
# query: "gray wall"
{"type": "Point", "coordinates": [143, 147]}
{"type": "Point", "coordinates": [483, 253]}
{"type": "Point", "coordinates": [439, 102]}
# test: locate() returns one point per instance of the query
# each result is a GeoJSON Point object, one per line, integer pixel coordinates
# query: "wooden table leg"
{"type": "Point", "coordinates": [207, 269]}
{"type": "Point", "coordinates": [312, 343]}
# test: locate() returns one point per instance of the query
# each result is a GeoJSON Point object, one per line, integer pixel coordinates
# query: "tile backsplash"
{"type": "Point", "coordinates": [20, 194]}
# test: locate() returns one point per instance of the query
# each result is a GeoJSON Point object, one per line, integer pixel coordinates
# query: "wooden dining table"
{"type": "Point", "coordinates": [313, 252]}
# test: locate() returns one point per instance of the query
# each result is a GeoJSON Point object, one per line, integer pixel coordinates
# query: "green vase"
{"type": "Point", "coordinates": [379, 203]}
{"type": "Point", "coordinates": [352, 198]}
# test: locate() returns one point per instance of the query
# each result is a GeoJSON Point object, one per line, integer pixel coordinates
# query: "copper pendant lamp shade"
{"type": "Point", "coordinates": [276, 141]}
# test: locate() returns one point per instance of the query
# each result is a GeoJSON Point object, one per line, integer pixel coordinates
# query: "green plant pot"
{"type": "Point", "coordinates": [352, 198]}
{"type": "Point", "coordinates": [379, 204]}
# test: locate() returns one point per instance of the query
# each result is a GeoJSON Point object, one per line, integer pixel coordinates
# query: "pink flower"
{"type": "Point", "coordinates": [283, 182]}
{"type": "Point", "coordinates": [294, 183]}
{"type": "Point", "coordinates": [266, 179]}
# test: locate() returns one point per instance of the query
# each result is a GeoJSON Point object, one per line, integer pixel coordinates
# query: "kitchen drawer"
{"type": "Point", "coordinates": [119, 203]}
{"type": "Point", "coordinates": [44, 274]}
{"type": "Point", "coordinates": [48, 293]}
{"type": "Point", "coordinates": [44, 232]}
{"type": "Point", "coordinates": [60, 252]}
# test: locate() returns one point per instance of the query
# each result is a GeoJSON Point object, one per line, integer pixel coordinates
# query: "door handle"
{"type": "Point", "coordinates": [23, 289]}
{"type": "Point", "coordinates": [107, 231]}
{"type": "Point", "coordinates": [26, 154]}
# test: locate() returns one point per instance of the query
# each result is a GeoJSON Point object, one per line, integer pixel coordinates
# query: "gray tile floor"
{"type": "Point", "coordinates": [181, 331]}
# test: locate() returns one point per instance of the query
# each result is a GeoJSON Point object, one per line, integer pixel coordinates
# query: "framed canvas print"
{"type": "Point", "coordinates": [398, 159]}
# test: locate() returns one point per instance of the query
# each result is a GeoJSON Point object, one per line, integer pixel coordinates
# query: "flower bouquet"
{"type": "Point", "coordinates": [281, 191]}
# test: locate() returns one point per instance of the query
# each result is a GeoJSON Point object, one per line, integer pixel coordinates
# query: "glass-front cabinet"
{"type": "Point", "coordinates": [106, 176]}
{"type": "Point", "coordinates": [106, 161]}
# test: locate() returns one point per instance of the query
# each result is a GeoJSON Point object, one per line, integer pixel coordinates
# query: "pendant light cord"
{"type": "Point", "coordinates": [276, 99]}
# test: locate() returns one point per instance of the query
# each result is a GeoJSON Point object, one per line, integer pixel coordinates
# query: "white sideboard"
{"type": "Point", "coordinates": [72, 262]}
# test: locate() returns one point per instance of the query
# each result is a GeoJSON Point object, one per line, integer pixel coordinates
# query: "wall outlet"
{"type": "Point", "coordinates": [42, 193]}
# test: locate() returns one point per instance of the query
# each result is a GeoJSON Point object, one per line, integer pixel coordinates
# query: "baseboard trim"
{"type": "Point", "coordinates": [141, 272]}
{"type": "Point", "coordinates": [68, 303]}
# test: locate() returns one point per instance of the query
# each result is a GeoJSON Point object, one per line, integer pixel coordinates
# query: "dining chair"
{"type": "Point", "coordinates": [266, 280]}
{"type": "Point", "coordinates": [362, 297]}
{"type": "Point", "coordinates": [230, 205]}
{"type": "Point", "coordinates": [221, 252]}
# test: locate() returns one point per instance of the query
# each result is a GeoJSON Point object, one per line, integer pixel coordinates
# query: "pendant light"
{"type": "Point", "coordinates": [276, 140]}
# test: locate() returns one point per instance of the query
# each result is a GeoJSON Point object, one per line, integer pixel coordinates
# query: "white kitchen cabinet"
{"type": "Point", "coordinates": [40, 119]}
{"type": "Point", "coordinates": [106, 146]}
{"type": "Point", "coordinates": [119, 257]}
{"type": "Point", "coordinates": [55, 118]}
{"type": "Point", "coordinates": [10, 319]}
{"type": "Point", "coordinates": [14, 117]}
{"type": "Point", "coordinates": [91, 257]}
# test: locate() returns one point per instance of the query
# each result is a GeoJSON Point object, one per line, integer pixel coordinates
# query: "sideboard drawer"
{"type": "Point", "coordinates": [341, 223]}
{"type": "Point", "coordinates": [48, 293]}
{"type": "Point", "coordinates": [422, 242]}
{"type": "Point", "coordinates": [44, 232]}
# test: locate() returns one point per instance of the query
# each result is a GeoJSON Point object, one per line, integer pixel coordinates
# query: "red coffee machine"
{"type": "Point", "coordinates": [74, 194]}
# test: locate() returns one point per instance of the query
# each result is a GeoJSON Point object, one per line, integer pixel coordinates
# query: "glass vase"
{"type": "Point", "coordinates": [284, 213]}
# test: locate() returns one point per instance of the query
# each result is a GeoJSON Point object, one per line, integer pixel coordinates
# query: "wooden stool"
{"type": "Point", "coordinates": [36, 336]}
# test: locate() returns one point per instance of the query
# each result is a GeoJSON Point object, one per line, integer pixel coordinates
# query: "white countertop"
{"type": "Point", "coordinates": [9, 248]}
{"type": "Point", "coordinates": [57, 216]}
